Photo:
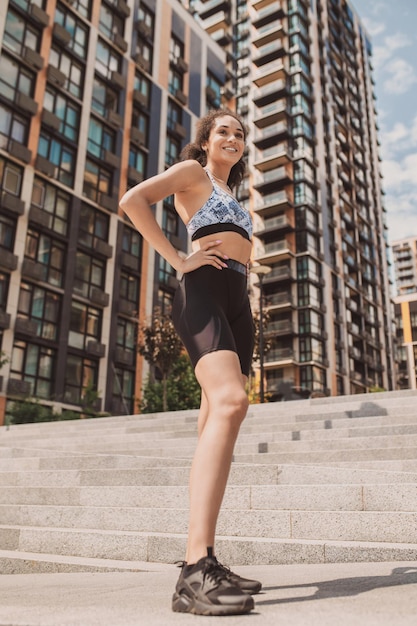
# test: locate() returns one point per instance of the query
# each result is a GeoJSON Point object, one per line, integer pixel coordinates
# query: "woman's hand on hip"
{"type": "Point", "coordinates": [207, 255]}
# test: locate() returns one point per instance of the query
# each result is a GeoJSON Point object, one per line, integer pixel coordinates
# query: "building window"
{"type": "Point", "coordinates": [169, 222]}
{"type": "Point", "coordinates": [124, 390]}
{"type": "Point", "coordinates": [77, 29]}
{"type": "Point", "coordinates": [18, 34]}
{"type": "Point", "coordinates": [7, 232]}
{"type": "Point", "coordinates": [144, 42]}
{"type": "Point", "coordinates": [81, 375]}
{"type": "Point", "coordinates": [34, 365]}
{"type": "Point", "coordinates": [94, 224]}
{"type": "Point", "coordinates": [100, 139]}
{"type": "Point", "coordinates": [165, 299]}
{"type": "Point", "coordinates": [83, 7]}
{"type": "Point", "coordinates": [309, 322]}
{"type": "Point", "coordinates": [213, 91]}
{"type": "Point", "coordinates": [309, 295]}
{"type": "Point", "coordinates": [107, 60]}
{"type": "Point", "coordinates": [132, 242]}
{"type": "Point", "coordinates": [66, 111]}
{"type": "Point", "coordinates": [137, 160]}
{"type": "Point", "coordinates": [53, 201]}
{"type": "Point", "coordinates": [142, 85]}
{"type": "Point", "coordinates": [141, 121]}
{"type": "Point", "coordinates": [15, 79]}
{"type": "Point", "coordinates": [174, 115]}
{"type": "Point", "coordinates": [41, 306]}
{"type": "Point", "coordinates": [104, 99]}
{"type": "Point", "coordinates": [60, 155]}
{"type": "Point", "coordinates": [49, 254]}
{"type": "Point", "coordinates": [129, 288]}
{"type": "Point", "coordinates": [12, 127]}
{"type": "Point", "coordinates": [72, 70]}
{"type": "Point", "coordinates": [308, 269]}
{"type": "Point", "coordinates": [90, 274]}
{"type": "Point", "coordinates": [313, 378]}
{"type": "Point", "coordinates": [126, 334]}
{"type": "Point", "coordinates": [85, 325]}
{"type": "Point", "coordinates": [172, 150]}
{"type": "Point", "coordinates": [166, 272]}
{"type": "Point", "coordinates": [4, 290]}
{"type": "Point", "coordinates": [110, 22]}
{"type": "Point", "coordinates": [97, 181]}
{"type": "Point", "coordinates": [10, 177]}
{"type": "Point", "coordinates": [176, 75]}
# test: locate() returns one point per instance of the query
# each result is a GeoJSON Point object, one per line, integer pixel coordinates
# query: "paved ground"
{"type": "Point", "coordinates": [351, 594]}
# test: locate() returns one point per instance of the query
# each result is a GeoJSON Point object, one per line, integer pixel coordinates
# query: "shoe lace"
{"type": "Point", "coordinates": [213, 572]}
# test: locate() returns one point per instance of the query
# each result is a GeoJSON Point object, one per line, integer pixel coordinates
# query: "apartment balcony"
{"type": "Point", "coordinates": [222, 36]}
{"type": "Point", "coordinates": [272, 178]}
{"type": "Point", "coordinates": [269, 72]}
{"type": "Point", "coordinates": [12, 203]}
{"type": "Point", "coordinates": [269, 52]}
{"type": "Point", "coordinates": [275, 252]}
{"type": "Point", "coordinates": [267, 135]}
{"type": "Point", "coordinates": [272, 113]}
{"type": "Point", "coordinates": [219, 21]}
{"type": "Point", "coordinates": [213, 6]}
{"type": "Point", "coordinates": [281, 223]}
{"type": "Point", "coordinates": [279, 301]}
{"type": "Point", "coordinates": [279, 357]}
{"type": "Point", "coordinates": [280, 274]}
{"type": "Point", "coordinates": [279, 328]}
{"type": "Point", "coordinates": [273, 203]}
{"type": "Point", "coordinates": [4, 320]}
{"type": "Point", "coordinates": [267, 14]}
{"type": "Point", "coordinates": [276, 156]}
{"type": "Point", "coordinates": [270, 92]}
{"type": "Point", "coordinates": [271, 31]}
{"type": "Point", "coordinates": [356, 353]}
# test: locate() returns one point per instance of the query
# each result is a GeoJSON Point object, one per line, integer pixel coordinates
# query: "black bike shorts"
{"type": "Point", "coordinates": [211, 312]}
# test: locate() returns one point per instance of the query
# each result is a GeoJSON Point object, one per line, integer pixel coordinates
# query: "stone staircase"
{"type": "Point", "coordinates": [313, 481]}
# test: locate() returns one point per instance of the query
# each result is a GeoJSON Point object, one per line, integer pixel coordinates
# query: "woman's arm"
{"type": "Point", "coordinates": [137, 203]}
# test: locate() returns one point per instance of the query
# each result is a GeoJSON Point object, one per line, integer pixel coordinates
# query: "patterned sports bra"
{"type": "Point", "coordinates": [221, 212]}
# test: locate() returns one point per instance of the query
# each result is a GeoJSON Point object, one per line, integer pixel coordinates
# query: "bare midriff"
{"type": "Point", "coordinates": [232, 244]}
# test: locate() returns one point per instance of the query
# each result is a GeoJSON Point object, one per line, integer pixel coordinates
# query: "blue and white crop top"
{"type": "Point", "coordinates": [221, 212]}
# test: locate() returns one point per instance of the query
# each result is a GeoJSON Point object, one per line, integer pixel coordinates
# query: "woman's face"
{"type": "Point", "coordinates": [226, 142]}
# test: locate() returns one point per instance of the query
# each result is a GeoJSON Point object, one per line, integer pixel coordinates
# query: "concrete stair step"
{"type": "Point", "coordinates": [175, 449]}
{"type": "Point", "coordinates": [138, 442]}
{"type": "Point", "coordinates": [250, 474]}
{"type": "Point", "coordinates": [97, 461]}
{"type": "Point", "coordinates": [331, 455]}
{"type": "Point", "coordinates": [365, 497]}
{"type": "Point", "coordinates": [14, 562]}
{"type": "Point", "coordinates": [109, 551]}
{"type": "Point", "coordinates": [392, 526]}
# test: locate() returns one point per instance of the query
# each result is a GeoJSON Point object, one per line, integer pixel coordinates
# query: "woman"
{"type": "Point", "coordinates": [212, 315]}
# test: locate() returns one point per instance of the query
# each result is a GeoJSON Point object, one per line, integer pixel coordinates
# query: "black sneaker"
{"type": "Point", "coordinates": [204, 589]}
{"type": "Point", "coordinates": [245, 584]}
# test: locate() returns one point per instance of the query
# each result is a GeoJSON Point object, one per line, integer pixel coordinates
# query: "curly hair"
{"type": "Point", "coordinates": [194, 150]}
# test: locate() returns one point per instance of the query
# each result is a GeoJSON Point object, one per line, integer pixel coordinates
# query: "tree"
{"type": "Point", "coordinates": [266, 341]}
{"type": "Point", "coordinates": [161, 348]}
{"type": "Point", "coordinates": [183, 390]}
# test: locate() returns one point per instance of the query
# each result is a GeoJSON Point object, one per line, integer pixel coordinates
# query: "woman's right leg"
{"type": "Point", "coordinates": [226, 402]}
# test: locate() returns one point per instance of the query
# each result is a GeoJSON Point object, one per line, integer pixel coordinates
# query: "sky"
{"type": "Point", "coordinates": [392, 27]}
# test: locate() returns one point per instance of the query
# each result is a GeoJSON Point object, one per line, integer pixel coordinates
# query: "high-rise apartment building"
{"type": "Point", "coordinates": [405, 265]}
{"type": "Point", "coordinates": [94, 96]}
{"type": "Point", "coordinates": [97, 94]}
{"type": "Point", "coordinates": [406, 332]}
{"type": "Point", "coordinates": [302, 74]}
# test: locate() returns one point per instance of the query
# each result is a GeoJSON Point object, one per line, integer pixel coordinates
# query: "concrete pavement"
{"type": "Point", "coordinates": [342, 594]}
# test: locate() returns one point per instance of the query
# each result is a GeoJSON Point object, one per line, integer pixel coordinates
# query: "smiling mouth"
{"type": "Point", "coordinates": [230, 149]}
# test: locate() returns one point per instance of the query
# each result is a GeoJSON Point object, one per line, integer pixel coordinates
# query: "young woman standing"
{"type": "Point", "coordinates": [212, 315]}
